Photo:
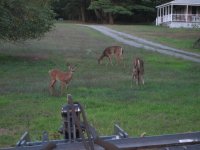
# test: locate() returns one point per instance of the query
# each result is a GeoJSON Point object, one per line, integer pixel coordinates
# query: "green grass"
{"type": "Point", "coordinates": [169, 101]}
{"type": "Point", "coordinates": [180, 38]}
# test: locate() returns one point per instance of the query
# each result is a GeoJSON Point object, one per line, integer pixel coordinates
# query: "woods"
{"type": "Point", "coordinates": [107, 11]}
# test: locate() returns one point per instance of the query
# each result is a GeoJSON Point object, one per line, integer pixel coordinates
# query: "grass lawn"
{"type": "Point", "coordinates": [168, 103]}
{"type": "Point", "coordinates": [180, 38]}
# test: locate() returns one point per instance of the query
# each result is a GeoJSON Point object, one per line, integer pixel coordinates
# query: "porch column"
{"type": "Point", "coordinates": [168, 15]}
{"type": "Point", "coordinates": [186, 14]}
{"type": "Point", "coordinates": [163, 13]}
{"type": "Point", "coordinates": [157, 16]}
{"type": "Point", "coordinates": [171, 12]}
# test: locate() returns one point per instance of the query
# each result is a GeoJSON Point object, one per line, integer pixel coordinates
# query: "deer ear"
{"type": "Point", "coordinates": [68, 64]}
{"type": "Point", "coordinates": [75, 66]}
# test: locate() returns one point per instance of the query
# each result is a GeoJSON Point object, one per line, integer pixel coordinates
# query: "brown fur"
{"type": "Point", "coordinates": [64, 77]}
{"type": "Point", "coordinates": [50, 146]}
{"type": "Point", "coordinates": [138, 70]}
{"type": "Point", "coordinates": [117, 51]}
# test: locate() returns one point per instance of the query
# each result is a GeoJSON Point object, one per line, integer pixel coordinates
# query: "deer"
{"type": "Point", "coordinates": [63, 77]}
{"type": "Point", "coordinates": [138, 71]}
{"type": "Point", "coordinates": [117, 51]}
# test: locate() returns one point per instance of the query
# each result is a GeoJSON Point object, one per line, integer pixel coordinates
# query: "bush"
{"type": "Point", "coordinates": [22, 19]}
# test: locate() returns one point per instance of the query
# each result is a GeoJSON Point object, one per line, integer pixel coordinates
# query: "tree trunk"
{"type": "Point", "coordinates": [98, 15]}
{"type": "Point", "coordinates": [111, 19]}
{"type": "Point", "coordinates": [83, 14]}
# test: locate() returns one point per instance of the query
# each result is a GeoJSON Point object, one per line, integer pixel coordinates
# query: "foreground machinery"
{"type": "Point", "coordinates": [80, 135]}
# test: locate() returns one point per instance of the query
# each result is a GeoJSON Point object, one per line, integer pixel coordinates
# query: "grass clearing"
{"type": "Point", "coordinates": [180, 38]}
{"type": "Point", "coordinates": [169, 101]}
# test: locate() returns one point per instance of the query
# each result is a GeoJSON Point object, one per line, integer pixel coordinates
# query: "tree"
{"type": "Point", "coordinates": [72, 9]}
{"type": "Point", "coordinates": [144, 10]}
{"type": "Point", "coordinates": [24, 19]}
{"type": "Point", "coordinates": [107, 10]}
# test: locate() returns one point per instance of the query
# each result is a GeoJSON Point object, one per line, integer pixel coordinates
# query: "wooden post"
{"type": "Point", "coordinates": [186, 14]}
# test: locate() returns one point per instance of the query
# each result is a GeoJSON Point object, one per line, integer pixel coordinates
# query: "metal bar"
{"type": "Point", "coordinates": [68, 126]}
{"type": "Point", "coordinates": [70, 101]}
{"type": "Point", "coordinates": [157, 141]}
{"type": "Point", "coordinates": [24, 138]}
{"type": "Point", "coordinates": [185, 147]}
{"type": "Point", "coordinates": [105, 144]}
{"type": "Point", "coordinates": [119, 131]}
{"type": "Point", "coordinates": [73, 123]}
{"type": "Point", "coordinates": [87, 128]}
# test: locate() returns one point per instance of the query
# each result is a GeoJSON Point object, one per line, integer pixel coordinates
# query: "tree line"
{"type": "Point", "coordinates": [30, 19]}
{"type": "Point", "coordinates": [107, 11]}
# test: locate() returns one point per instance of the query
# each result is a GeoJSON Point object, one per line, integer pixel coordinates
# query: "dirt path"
{"type": "Point", "coordinates": [145, 44]}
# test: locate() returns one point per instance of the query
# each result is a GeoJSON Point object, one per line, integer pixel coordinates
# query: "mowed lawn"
{"type": "Point", "coordinates": [169, 102]}
{"type": "Point", "coordinates": [180, 38]}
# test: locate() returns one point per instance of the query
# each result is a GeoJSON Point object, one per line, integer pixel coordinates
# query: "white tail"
{"type": "Point", "coordinates": [63, 77]}
{"type": "Point", "coordinates": [138, 71]}
{"type": "Point", "coordinates": [117, 51]}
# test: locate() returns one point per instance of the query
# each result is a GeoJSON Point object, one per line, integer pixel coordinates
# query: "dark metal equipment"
{"type": "Point", "coordinates": [80, 135]}
{"type": "Point", "coordinates": [75, 124]}
{"type": "Point", "coordinates": [69, 129]}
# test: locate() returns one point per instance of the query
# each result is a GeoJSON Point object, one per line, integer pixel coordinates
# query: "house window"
{"type": "Point", "coordinates": [194, 10]}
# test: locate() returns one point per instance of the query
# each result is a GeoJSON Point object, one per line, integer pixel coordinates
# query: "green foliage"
{"type": "Point", "coordinates": [106, 10]}
{"type": "Point", "coordinates": [67, 8]}
{"type": "Point", "coordinates": [22, 20]}
{"type": "Point", "coordinates": [118, 10]}
{"type": "Point", "coordinates": [109, 7]}
{"type": "Point", "coordinates": [143, 8]}
{"type": "Point", "coordinates": [71, 9]}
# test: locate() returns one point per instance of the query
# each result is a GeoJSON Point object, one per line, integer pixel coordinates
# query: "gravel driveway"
{"type": "Point", "coordinates": [145, 44]}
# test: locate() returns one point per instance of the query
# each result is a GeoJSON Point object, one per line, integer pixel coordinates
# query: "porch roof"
{"type": "Point", "coordinates": [181, 2]}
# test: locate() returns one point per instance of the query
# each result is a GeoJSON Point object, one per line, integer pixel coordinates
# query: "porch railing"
{"type": "Point", "coordinates": [189, 18]}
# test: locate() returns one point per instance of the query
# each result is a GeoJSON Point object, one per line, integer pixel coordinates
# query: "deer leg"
{"type": "Point", "coordinates": [110, 60]}
{"type": "Point", "coordinates": [132, 80]}
{"type": "Point", "coordinates": [117, 59]}
{"type": "Point", "coordinates": [51, 86]}
{"type": "Point", "coordinates": [122, 60]}
{"type": "Point", "coordinates": [142, 78]}
{"type": "Point", "coordinates": [137, 79]}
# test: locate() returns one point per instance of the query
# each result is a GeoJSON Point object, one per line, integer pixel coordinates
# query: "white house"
{"type": "Point", "coordinates": [179, 13]}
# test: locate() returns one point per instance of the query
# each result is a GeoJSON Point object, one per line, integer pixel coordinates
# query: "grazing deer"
{"type": "Point", "coordinates": [117, 51]}
{"type": "Point", "coordinates": [63, 77]}
{"type": "Point", "coordinates": [138, 71]}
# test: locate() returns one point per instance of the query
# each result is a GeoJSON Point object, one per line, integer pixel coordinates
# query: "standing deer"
{"type": "Point", "coordinates": [138, 71]}
{"type": "Point", "coordinates": [117, 51]}
{"type": "Point", "coordinates": [63, 77]}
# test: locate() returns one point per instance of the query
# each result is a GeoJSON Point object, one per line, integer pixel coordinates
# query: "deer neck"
{"type": "Point", "coordinates": [100, 58]}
